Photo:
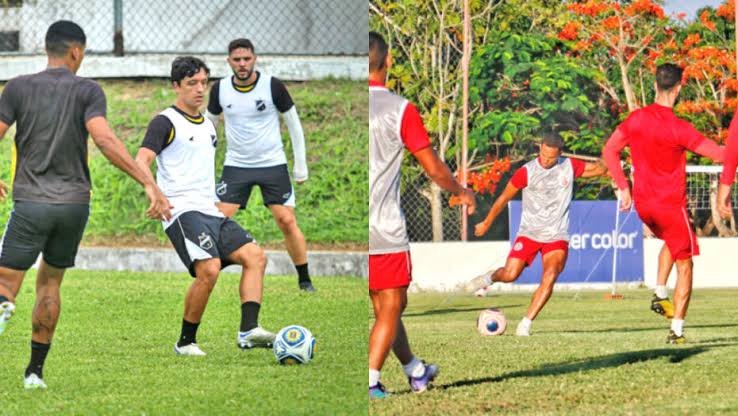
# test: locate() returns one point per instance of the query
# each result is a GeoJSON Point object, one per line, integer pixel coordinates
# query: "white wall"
{"type": "Point", "coordinates": [448, 266]}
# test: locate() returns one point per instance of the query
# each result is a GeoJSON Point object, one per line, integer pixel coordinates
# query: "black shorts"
{"type": "Point", "coordinates": [236, 183]}
{"type": "Point", "coordinates": [197, 236]}
{"type": "Point", "coordinates": [52, 229]}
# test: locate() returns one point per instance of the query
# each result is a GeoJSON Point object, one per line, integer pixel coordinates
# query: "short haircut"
{"type": "Point", "coordinates": [668, 76]}
{"type": "Point", "coordinates": [61, 35]}
{"type": "Point", "coordinates": [378, 50]}
{"type": "Point", "coordinates": [187, 66]}
{"type": "Point", "coordinates": [553, 139]}
{"type": "Point", "coordinates": [240, 43]}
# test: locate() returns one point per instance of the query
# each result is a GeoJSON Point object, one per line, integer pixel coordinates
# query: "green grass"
{"type": "Point", "coordinates": [331, 206]}
{"type": "Point", "coordinates": [112, 353]}
{"type": "Point", "coordinates": [587, 356]}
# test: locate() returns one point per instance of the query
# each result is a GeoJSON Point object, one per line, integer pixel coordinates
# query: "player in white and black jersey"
{"type": "Point", "coordinates": [251, 103]}
{"type": "Point", "coordinates": [183, 143]}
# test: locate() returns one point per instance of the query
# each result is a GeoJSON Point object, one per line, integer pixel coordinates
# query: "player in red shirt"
{"type": "Point", "coordinates": [730, 163]}
{"type": "Point", "coordinates": [658, 142]}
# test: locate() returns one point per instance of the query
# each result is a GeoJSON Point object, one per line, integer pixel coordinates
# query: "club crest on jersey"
{"type": "Point", "coordinates": [214, 140]}
{"type": "Point", "coordinates": [260, 105]}
{"type": "Point", "coordinates": [518, 246]}
{"type": "Point", "coordinates": [564, 181]}
{"type": "Point", "coordinates": [206, 242]}
{"type": "Point", "coordinates": [221, 188]}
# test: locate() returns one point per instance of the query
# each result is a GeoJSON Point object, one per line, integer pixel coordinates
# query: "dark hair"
{"type": "Point", "coordinates": [378, 50]}
{"type": "Point", "coordinates": [668, 76]}
{"type": "Point", "coordinates": [553, 139]}
{"type": "Point", "coordinates": [240, 43]}
{"type": "Point", "coordinates": [187, 66]}
{"type": "Point", "coordinates": [61, 35]}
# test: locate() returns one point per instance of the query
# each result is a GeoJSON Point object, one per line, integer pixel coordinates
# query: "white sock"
{"type": "Point", "coordinates": [373, 377]}
{"type": "Point", "coordinates": [414, 368]}
{"type": "Point", "coordinates": [526, 322]}
{"type": "Point", "coordinates": [661, 291]}
{"type": "Point", "coordinates": [677, 325]}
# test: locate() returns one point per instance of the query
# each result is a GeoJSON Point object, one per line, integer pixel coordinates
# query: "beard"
{"type": "Point", "coordinates": [245, 78]}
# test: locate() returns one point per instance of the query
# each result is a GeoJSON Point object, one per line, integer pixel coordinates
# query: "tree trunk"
{"type": "Point", "coordinates": [436, 204]}
{"type": "Point", "coordinates": [630, 97]}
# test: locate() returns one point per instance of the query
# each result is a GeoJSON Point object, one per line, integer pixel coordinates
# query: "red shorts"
{"type": "Point", "coordinates": [390, 271]}
{"type": "Point", "coordinates": [671, 224]}
{"type": "Point", "coordinates": [526, 249]}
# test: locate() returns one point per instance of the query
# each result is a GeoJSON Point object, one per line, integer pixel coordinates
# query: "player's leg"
{"type": "Point", "coordinates": [553, 265]}
{"type": "Point", "coordinates": [253, 261]}
{"type": "Point", "coordinates": [660, 302]}
{"type": "Point", "coordinates": [419, 374]}
{"type": "Point", "coordinates": [682, 294]}
{"type": "Point", "coordinates": [523, 252]}
{"type": "Point", "coordinates": [196, 299]}
{"type": "Point", "coordinates": [10, 283]}
{"type": "Point", "coordinates": [388, 307]}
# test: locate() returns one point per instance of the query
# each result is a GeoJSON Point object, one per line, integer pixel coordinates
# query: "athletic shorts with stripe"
{"type": "Point", "coordinates": [673, 225]}
{"type": "Point", "coordinates": [54, 230]}
{"type": "Point", "coordinates": [390, 271]}
{"type": "Point", "coordinates": [197, 236]}
{"type": "Point", "coordinates": [236, 184]}
{"type": "Point", "coordinates": [527, 249]}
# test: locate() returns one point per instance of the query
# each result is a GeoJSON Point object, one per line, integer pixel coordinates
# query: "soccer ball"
{"type": "Point", "coordinates": [294, 345]}
{"type": "Point", "coordinates": [491, 322]}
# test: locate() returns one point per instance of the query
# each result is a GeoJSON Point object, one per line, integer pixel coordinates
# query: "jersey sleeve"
{"type": "Point", "coordinates": [578, 165]}
{"type": "Point", "coordinates": [520, 178]}
{"type": "Point", "coordinates": [159, 134]}
{"type": "Point", "coordinates": [413, 132]}
{"type": "Point", "coordinates": [280, 96]}
{"type": "Point", "coordinates": [95, 101]}
{"type": "Point", "coordinates": [689, 137]}
{"type": "Point", "coordinates": [214, 99]}
{"type": "Point", "coordinates": [8, 103]}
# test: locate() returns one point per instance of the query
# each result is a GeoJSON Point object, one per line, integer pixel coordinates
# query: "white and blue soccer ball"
{"type": "Point", "coordinates": [294, 345]}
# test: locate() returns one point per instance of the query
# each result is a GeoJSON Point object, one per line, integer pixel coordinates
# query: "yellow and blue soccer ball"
{"type": "Point", "coordinates": [294, 345]}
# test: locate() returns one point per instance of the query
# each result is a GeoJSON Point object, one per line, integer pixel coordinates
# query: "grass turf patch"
{"type": "Point", "coordinates": [113, 349]}
{"type": "Point", "coordinates": [585, 356]}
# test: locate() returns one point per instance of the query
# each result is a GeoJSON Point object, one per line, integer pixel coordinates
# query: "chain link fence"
{"type": "Point", "coordinates": [276, 27]}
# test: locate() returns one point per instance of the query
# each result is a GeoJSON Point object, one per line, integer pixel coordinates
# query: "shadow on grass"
{"type": "Point", "coordinates": [455, 310]}
{"type": "Point", "coordinates": [674, 355]}
{"type": "Point", "coordinates": [630, 329]}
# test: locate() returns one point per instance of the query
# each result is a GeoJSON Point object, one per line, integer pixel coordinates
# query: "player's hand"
{"type": "Point", "coordinates": [464, 198]}
{"type": "Point", "coordinates": [723, 201]}
{"type": "Point", "coordinates": [481, 228]}
{"type": "Point", "coordinates": [3, 190]}
{"type": "Point", "coordinates": [626, 200]}
{"type": "Point", "coordinates": [159, 207]}
{"type": "Point", "coordinates": [300, 181]}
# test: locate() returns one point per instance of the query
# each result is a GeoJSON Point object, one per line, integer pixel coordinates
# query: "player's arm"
{"type": "Point", "coordinates": [441, 175]}
{"type": "Point", "coordinates": [730, 162]}
{"type": "Point", "coordinates": [115, 151]}
{"type": "Point", "coordinates": [214, 109]}
{"type": "Point", "coordinates": [611, 155]}
{"type": "Point", "coordinates": [283, 101]}
{"type": "Point", "coordinates": [500, 203]}
{"type": "Point", "coordinates": [7, 118]}
{"type": "Point", "coordinates": [592, 169]}
{"type": "Point", "coordinates": [3, 186]}
{"type": "Point", "coordinates": [144, 158]}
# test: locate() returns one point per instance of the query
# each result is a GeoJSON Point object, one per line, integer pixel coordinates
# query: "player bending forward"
{"type": "Point", "coordinates": [547, 184]}
{"type": "Point", "coordinates": [183, 142]}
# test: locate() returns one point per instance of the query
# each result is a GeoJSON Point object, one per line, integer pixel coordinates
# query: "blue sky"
{"type": "Point", "coordinates": [688, 6]}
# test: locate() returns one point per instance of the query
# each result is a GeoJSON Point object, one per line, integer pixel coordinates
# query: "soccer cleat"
{"type": "Point", "coordinates": [420, 384]}
{"type": "Point", "coordinates": [482, 291]}
{"type": "Point", "coordinates": [7, 309]}
{"type": "Point", "coordinates": [255, 338]}
{"type": "Point", "coordinates": [522, 330]}
{"type": "Point", "coordinates": [377, 391]}
{"type": "Point", "coordinates": [479, 283]}
{"type": "Point", "coordinates": [674, 339]}
{"type": "Point", "coordinates": [307, 286]}
{"type": "Point", "coordinates": [189, 349]}
{"type": "Point", "coordinates": [33, 382]}
{"type": "Point", "coordinates": [662, 306]}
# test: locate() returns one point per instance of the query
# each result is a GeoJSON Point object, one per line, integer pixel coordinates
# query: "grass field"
{"type": "Point", "coordinates": [587, 356]}
{"type": "Point", "coordinates": [112, 353]}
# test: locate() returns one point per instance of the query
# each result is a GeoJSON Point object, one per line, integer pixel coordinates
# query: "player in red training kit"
{"type": "Point", "coordinates": [730, 163]}
{"type": "Point", "coordinates": [658, 140]}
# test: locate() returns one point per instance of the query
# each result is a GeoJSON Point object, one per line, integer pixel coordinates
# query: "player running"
{"type": "Point", "coordinates": [548, 184]}
{"type": "Point", "coordinates": [183, 142]}
{"type": "Point", "coordinates": [54, 111]}
{"type": "Point", "coordinates": [658, 140]}
{"type": "Point", "coordinates": [394, 125]}
{"type": "Point", "coordinates": [251, 103]}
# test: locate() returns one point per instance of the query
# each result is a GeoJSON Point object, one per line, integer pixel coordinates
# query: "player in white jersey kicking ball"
{"type": "Point", "coordinates": [547, 184]}
{"type": "Point", "coordinates": [183, 143]}
{"type": "Point", "coordinates": [251, 103]}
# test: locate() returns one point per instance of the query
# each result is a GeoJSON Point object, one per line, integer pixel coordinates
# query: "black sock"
{"type": "Point", "coordinates": [3, 299]}
{"type": "Point", "coordinates": [189, 333]}
{"type": "Point", "coordinates": [249, 316]}
{"type": "Point", "coordinates": [38, 356]}
{"type": "Point", "coordinates": [302, 272]}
